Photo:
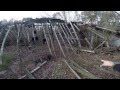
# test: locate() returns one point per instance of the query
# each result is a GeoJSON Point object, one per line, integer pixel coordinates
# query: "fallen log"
{"type": "Point", "coordinates": [83, 71]}
{"type": "Point", "coordinates": [89, 51]}
{"type": "Point", "coordinates": [29, 74]}
{"type": "Point", "coordinates": [95, 66]}
{"type": "Point", "coordinates": [72, 70]}
{"type": "Point", "coordinates": [100, 45]}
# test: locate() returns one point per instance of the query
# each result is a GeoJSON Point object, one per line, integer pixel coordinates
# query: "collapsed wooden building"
{"type": "Point", "coordinates": [75, 36]}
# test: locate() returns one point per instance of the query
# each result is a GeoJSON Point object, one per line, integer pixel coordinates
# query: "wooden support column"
{"type": "Point", "coordinates": [58, 42]}
{"type": "Point", "coordinates": [66, 38]}
{"type": "Point", "coordinates": [76, 35]}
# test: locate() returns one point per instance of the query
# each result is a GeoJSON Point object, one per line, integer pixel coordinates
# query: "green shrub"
{"type": "Point", "coordinates": [6, 59]}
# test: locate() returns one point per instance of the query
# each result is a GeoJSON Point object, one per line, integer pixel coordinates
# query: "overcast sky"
{"type": "Point", "coordinates": [18, 15]}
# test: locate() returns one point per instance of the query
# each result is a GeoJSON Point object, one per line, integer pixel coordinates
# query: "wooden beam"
{"type": "Point", "coordinates": [29, 74]}
{"type": "Point", "coordinates": [99, 45]}
{"type": "Point", "coordinates": [67, 38]}
{"type": "Point", "coordinates": [87, 51]}
{"type": "Point", "coordinates": [97, 33]}
{"type": "Point", "coordinates": [63, 41]}
{"type": "Point", "coordinates": [70, 32]}
{"type": "Point", "coordinates": [83, 71]}
{"type": "Point", "coordinates": [85, 37]}
{"type": "Point", "coordinates": [58, 42]}
{"type": "Point", "coordinates": [34, 70]}
{"type": "Point", "coordinates": [51, 41]}
{"type": "Point", "coordinates": [72, 70]}
{"type": "Point", "coordinates": [47, 40]}
{"type": "Point", "coordinates": [76, 35]}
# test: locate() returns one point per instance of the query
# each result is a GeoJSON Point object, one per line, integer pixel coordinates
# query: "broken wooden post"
{"type": "Point", "coordinates": [51, 41]}
{"type": "Point", "coordinates": [63, 40]}
{"type": "Point", "coordinates": [70, 33]}
{"type": "Point", "coordinates": [99, 45]}
{"type": "Point", "coordinates": [72, 70]}
{"type": "Point", "coordinates": [82, 71]}
{"type": "Point", "coordinates": [92, 38]}
{"type": "Point", "coordinates": [66, 38]}
{"type": "Point", "coordinates": [85, 38]}
{"type": "Point", "coordinates": [76, 35]}
{"type": "Point", "coordinates": [29, 74]}
{"type": "Point", "coordinates": [34, 70]}
{"type": "Point", "coordinates": [65, 30]}
{"type": "Point", "coordinates": [58, 41]}
{"type": "Point", "coordinates": [47, 39]}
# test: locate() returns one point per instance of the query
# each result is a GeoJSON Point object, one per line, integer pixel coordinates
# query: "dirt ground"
{"type": "Point", "coordinates": [56, 68]}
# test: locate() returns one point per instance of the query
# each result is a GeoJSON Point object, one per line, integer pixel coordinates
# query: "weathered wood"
{"type": "Point", "coordinates": [79, 43]}
{"type": "Point", "coordinates": [47, 40]}
{"type": "Point", "coordinates": [85, 38]}
{"type": "Point", "coordinates": [92, 38]}
{"type": "Point", "coordinates": [67, 33]}
{"type": "Point", "coordinates": [63, 41]}
{"type": "Point", "coordinates": [72, 70]}
{"type": "Point", "coordinates": [28, 35]}
{"type": "Point", "coordinates": [51, 41]}
{"type": "Point", "coordinates": [83, 71]}
{"type": "Point", "coordinates": [58, 42]}
{"type": "Point", "coordinates": [67, 38]}
{"type": "Point", "coordinates": [97, 33]}
{"type": "Point", "coordinates": [34, 70]}
{"type": "Point", "coordinates": [29, 74]}
{"type": "Point", "coordinates": [105, 29]}
{"type": "Point", "coordinates": [87, 51]}
{"type": "Point", "coordinates": [19, 49]}
{"type": "Point", "coordinates": [70, 33]}
{"type": "Point", "coordinates": [83, 60]}
{"type": "Point", "coordinates": [99, 45]}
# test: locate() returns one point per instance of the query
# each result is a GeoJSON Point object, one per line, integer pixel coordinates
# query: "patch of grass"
{"type": "Point", "coordinates": [6, 59]}
{"type": "Point", "coordinates": [59, 71]}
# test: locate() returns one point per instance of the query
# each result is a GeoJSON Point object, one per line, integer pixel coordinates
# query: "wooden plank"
{"type": "Point", "coordinates": [79, 43]}
{"type": "Point", "coordinates": [98, 33]}
{"type": "Point", "coordinates": [72, 70]}
{"type": "Point", "coordinates": [47, 40]}
{"type": "Point", "coordinates": [83, 71]}
{"type": "Point", "coordinates": [90, 51]}
{"type": "Point", "coordinates": [83, 60]}
{"type": "Point", "coordinates": [65, 30]}
{"type": "Point", "coordinates": [58, 42]}
{"type": "Point", "coordinates": [29, 74]}
{"type": "Point", "coordinates": [63, 41]}
{"type": "Point", "coordinates": [70, 33]}
{"type": "Point", "coordinates": [51, 41]}
{"type": "Point", "coordinates": [67, 38]}
{"type": "Point", "coordinates": [85, 37]}
{"type": "Point", "coordinates": [99, 45]}
{"type": "Point", "coordinates": [34, 70]}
